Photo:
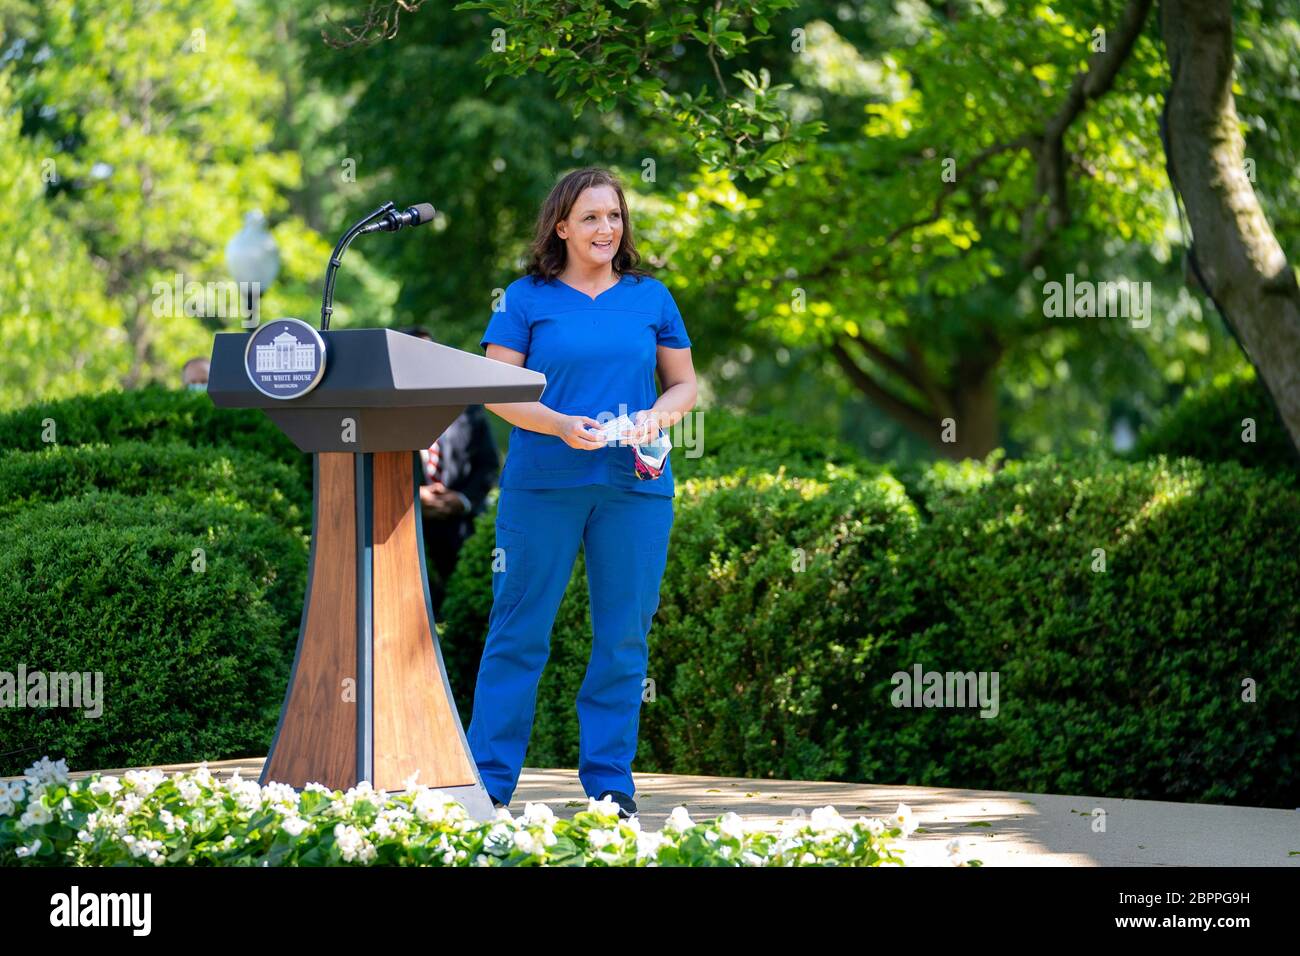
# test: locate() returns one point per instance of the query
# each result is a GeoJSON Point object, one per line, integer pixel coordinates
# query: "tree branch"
{"type": "Point", "coordinates": [1091, 83]}
{"type": "Point", "coordinates": [904, 412]}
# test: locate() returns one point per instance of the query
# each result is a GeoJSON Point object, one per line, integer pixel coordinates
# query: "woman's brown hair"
{"type": "Point", "coordinates": [548, 253]}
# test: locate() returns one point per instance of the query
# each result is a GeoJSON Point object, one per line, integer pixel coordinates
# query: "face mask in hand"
{"type": "Point", "coordinates": [650, 459]}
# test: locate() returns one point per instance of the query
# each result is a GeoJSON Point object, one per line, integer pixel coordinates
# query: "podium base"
{"type": "Point", "coordinates": [368, 697]}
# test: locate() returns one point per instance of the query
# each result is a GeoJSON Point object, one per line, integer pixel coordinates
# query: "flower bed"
{"type": "Point", "coordinates": [148, 818]}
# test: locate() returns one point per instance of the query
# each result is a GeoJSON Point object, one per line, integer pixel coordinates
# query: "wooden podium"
{"type": "Point", "coordinates": [368, 697]}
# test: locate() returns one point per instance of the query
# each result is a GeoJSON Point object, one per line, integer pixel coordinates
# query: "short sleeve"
{"type": "Point", "coordinates": [672, 330]}
{"type": "Point", "coordinates": [509, 327]}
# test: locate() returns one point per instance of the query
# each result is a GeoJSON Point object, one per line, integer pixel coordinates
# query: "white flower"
{"type": "Point", "coordinates": [537, 814]}
{"type": "Point", "coordinates": [807, 858]}
{"type": "Point", "coordinates": [431, 806]}
{"type": "Point", "coordinates": [352, 845]}
{"type": "Point", "coordinates": [603, 807]}
{"type": "Point", "coordinates": [144, 782]}
{"type": "Point", "coordinates": [171, 822]}
{"type": "Point", "coordinates": [36, 814]}
{"type": "Point", "coordinates": [16, 790]}
{"type": "Point", "coordinates": [482, 860]}
{"type": "Point", "coordinates": [280, 793]}
{"type": "Point", "coordinates": [130, 803]}
{"type": "Point", "coordinates": [904, 819]}
{"type": "Point", "coordinates": [525, 842]}
{"type": "Point", "coordinates": [679, 820]}
{"type": "Point", "coordinates": [954, 852]}
{"type": "Point", "coordinates": [142, 846]}
{"type": "Point", "coordinates": [648, 844]}
{"type": "Point", "coordinates": [46, 772]}
{"type": "Point", "coordinates": [293, 825]}
{"type": "Point", "coordinates": [827, 818]}
{"type": "Point", "coordinates": [30, 849]}
{"type": "Point", "coordinates": [602, 838]}
{"type": "Point", "coordinates": [109, 785]}
{"type": "Point", "coordinates": [874, 826]}
{"type": "Point", "coordinates": [392, 821]}
{"type": "Point", "coordinates": [6, 805]}
{"type": "Point", "coordinates": [732, 826]}
{"type": "Point", "coordinates": [189, 790]}
{"type": "Point", "coordinates": [247, 794]}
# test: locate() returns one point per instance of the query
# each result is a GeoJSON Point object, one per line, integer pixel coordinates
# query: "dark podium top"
{"type": "Point", "coordinates": [401, 392]}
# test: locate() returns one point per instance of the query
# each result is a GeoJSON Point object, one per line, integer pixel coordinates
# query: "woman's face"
{"type": "Point", "coordinates": [594, 229]}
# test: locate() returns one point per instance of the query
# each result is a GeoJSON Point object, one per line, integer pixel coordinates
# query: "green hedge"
{"type": "Point", "coordinates": [139, 468]}
{"type": "Point", "coordinates": [1205, 423]}
{"type": "Point", "coordinates": [728, 443]}
{"type": "Point", "coordinates": [194, 663]}
{"type": "Point", "coordinates": [239, 480]}
{"type": "Point", "coordinates": [1125, 683]}
{"type": "Point", "coordinates": [151, 414]}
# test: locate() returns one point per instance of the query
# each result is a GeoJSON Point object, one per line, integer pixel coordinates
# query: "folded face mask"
{"type": "Point", "coordinates": [612, 430]}
{"type": "Point", "coordinates": [649, 460]}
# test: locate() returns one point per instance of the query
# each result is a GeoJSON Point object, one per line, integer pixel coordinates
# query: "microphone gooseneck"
{"type": "Point", "coordinates": [387, 218]}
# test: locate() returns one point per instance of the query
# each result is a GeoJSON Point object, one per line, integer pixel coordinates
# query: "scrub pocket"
{"type": "Point", "coordinates": [508, 583]}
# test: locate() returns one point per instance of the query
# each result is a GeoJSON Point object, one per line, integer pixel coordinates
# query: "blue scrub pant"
{"type": "Point", "coordinates": [624, 535]}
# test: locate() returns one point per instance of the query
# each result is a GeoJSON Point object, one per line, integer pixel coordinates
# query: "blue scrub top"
{"type": "Point", "coordinates": [599, 358]}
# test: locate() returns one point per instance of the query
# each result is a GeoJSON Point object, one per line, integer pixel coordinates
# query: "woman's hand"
{"type": "Point", "coordinates": [648, 426]}
{"type": "Point", "coordinates": [573, 432]}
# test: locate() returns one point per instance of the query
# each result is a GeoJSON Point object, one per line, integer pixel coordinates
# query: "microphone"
{"type": "Point", "coordinates": [416, 215]}
{"type": "Point", "coordinates": [387, 218]}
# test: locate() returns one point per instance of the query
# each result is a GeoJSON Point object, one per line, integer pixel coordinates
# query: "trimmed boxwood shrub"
{"type": "Point", "coordinates": [751, 650]}
{"type": "Point", "coordinates": [729, 443]}
{"type": "Point", "coordinates": [140, 468]}
{"type": "Point", "coordinates": [1205, 423]}
{"type": "Point", "coordinates": [195, 663]}
{"type": "Point", "coordinates": [151, 414]}
{"type": "Point", "coordinates": [1126, 682]}
{"type": "Point", "coordinates": [239, 480]}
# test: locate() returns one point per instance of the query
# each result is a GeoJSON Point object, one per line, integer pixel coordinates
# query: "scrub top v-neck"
{"type": "Point", "coordinates": [599, 357]}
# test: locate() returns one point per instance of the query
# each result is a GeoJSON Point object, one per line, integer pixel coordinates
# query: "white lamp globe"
{"type": "Point", "coordinates": [252, 255]}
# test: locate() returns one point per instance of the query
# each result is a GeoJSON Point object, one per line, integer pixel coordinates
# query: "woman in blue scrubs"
{"type": "Point", "coordinates": [599, 329]}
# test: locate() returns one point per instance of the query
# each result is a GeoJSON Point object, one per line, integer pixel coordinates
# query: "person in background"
{"type": "Point", "coordinates": [464, 465]}
{"type": "Point", "coordinates": [194, 375]}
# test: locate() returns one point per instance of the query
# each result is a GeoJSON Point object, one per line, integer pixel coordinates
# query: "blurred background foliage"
{"type": "Point", "coordinates": [828, 271]}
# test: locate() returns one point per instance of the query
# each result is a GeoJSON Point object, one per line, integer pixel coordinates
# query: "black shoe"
{"type": "Point", "coordinates": [495, 802]}
{"type": "Point", "coordinates": [626, 805]}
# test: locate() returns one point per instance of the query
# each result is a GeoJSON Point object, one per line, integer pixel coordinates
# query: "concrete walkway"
{"type": "Point", "coordinates": [997, 828]}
